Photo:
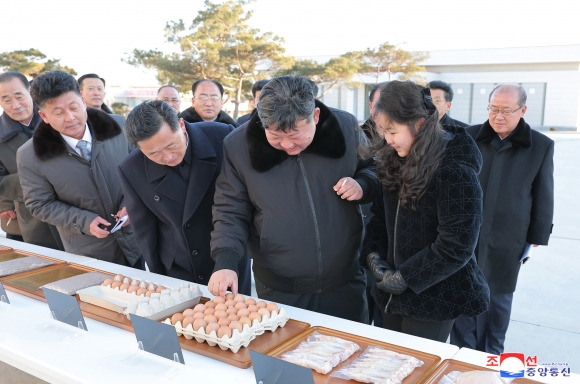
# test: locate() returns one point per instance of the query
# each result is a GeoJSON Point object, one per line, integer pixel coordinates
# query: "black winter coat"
{"type": "Point", "coordinates": [433, 246]}
{"type": "Point", "coordinates": [518, 207]}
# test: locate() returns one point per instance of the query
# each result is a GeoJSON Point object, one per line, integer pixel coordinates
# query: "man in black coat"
{"type": "Point", "coordinates": [169, 186]}
{"type": "Point", "coordinates": [517, 179]}
{"type": "Point", "coordinates": [442, 96]}
{"type": "Point", "coordinates": [207, 103]}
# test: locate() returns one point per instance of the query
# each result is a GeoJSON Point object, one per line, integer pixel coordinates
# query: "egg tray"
{"type": "Point", "coordinates": [238, 339]}
{"type": "Point", "coordinates": [126, 303]}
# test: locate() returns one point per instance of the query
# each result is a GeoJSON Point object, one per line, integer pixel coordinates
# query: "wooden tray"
{"type": "Point", "coordinates": [28, 283]}
{"type": "Point", "coordinates": [450, 365]}
{"type": "Point", "coordinates": [419, 373]}
{"type": "Point", "coordinates": [8, 254]}
{"type": "Point", "coordinates": [262, 343]}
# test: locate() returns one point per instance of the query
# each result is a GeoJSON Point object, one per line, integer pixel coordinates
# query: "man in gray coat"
{"type": "Point", "coordinates": [17, 123]}
{"type": "Point", "coordinates": [517, 179]}
{"type": "Point", "coordinates": [68, 172]}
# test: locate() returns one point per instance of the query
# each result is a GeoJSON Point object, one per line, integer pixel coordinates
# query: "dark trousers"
{"type": "Point", "coordinates": [486, 331]}
{"type": "Point", "coordinates": [348, 301]}
{"type": "Point", "coordinates": [433, 330]}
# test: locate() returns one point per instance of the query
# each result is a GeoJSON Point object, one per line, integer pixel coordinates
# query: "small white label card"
{"type": "Point", "coordinates": [64, 308]}
{"type": "Point", "coordinates": [270, 370]}
{"type": "Point", "coordinates": [157, 338]}
{"type": "Point", "coordinates": [3, 295]}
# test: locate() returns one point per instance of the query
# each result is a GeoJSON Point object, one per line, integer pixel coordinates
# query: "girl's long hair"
{"type": "Point", "coordinates": [407, 103]}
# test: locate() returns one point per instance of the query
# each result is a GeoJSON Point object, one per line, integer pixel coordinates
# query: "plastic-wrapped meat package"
{"type": "Point", "coordinates": [22, 264]}
{"type": "Point", "coordinates": [321, 352]}
{"type": "Point", "coordinates": [380, 366]}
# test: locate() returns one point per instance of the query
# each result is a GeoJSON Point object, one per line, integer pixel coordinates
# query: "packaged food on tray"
{"type": "Point", "coordinates": [321, 352]}
{"type": "Point", "coordinates": [380, 366]}
{"type": "Point", "coordinates": [230, 323]}
{"type": "Point", "coordinates": [155, 302]}
{"type": "Point", "coordinates": [474, 377]}
{"type": "Point", "coordinates": [22, 264]}
{"type": "Point", "coordinates": [71, 285]}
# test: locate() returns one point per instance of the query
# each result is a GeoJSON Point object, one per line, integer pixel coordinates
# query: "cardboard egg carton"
{"type": "Point", "coordinates": [238, 339]}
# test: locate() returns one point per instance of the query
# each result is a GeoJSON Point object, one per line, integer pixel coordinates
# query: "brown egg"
{"type": "Point", "coordinates": [236, 325]}
{"type": "Point", "coordinates": [240, 305]}
{"type": "Point", "coordinates": [229, 296]}
{"type": "Point", "coordinates": [264, 312]}
{"type": "Point", "coordinates": [188, 312]}
{"type": "Point", "coordinates": [224, 330]}
{"type": "Point", "coordinates": [199, 323]}
{"type": "Point", "coordinates": [219, 313]}
{"type": "Point", "coordinates": [253, 308]}
{"type": "Point", "coordinates": [116, 284]}
{"type": "Point", "coordinates": [186, 321]}
{"type": "Point", "coordinates": [210, 319]}
{"type": "Point", "coordinates": [230, 303]}
{"type": "Point", "coordinates": [199, 308]}
{"type": "Point", "coordinates": [152, 287]}
{"type": "Point", "coordinates": [135, 282]}
{"type": "Point", "coordinates": [198, 315]}
{"type": "Point", "coordinates": [231, 310]}
{"type": "Point", "coordinates": [141, 291]}
{"type": "Point", "coordinates": [124, 287]}
{"type": "Point", "coordinates": [221, 306]}
{"type": "Point", "coordinates": [255, 316]}
{"type": "Point", "coordinates": [126, 280]}
{"type": "Point", "coordinates": [243, 312]}
{"type": "Point", "coordinates": [219, 300]}
{"type": "Point", "coordinates": [211, 327]}
{"type": "Point", "coordinates": [148, 293]}
{"type": "Point", "coordinates": [223, 321]}
{"type": "Point", "coordinates": [133, 288]}
{"type": "Point", "coordinates": [118, 277]}
{"type": "Point", "coordinates": [107, 282]}
{"type": "Point", "coordinates": [210, 304]}
{"type": "Point", "coordinates": [272, 307]}
{"type": "Point", "coordinates": [246, 320]}
{"type": "Point", "coordinates": [233, 317]}
{"type": "Point", "coordinates": [261, 304]}
{"type": "Point", "coordinates": [239, 298]}
{"type": "Point", "coordinates": [176, 317]}
{"type": "Point", "coordinates": [160, 288]}
{"type": "Point", "coordinates": [209, 311]}
{"type": "Point", "coordinates": [250, 301]}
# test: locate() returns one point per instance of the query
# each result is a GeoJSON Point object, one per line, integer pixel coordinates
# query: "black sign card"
{"type": "Point", "coordinates": [270, 370]}
{"type": "Point", "coordinates": [3, 295]}
{"type": "Point", "coordinates": [157, 338]}
{"type": "Point", "coordinates": [64, 308]}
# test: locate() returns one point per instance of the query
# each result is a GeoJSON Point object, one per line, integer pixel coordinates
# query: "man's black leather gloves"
{"type": "Point", "coordinates": [377, 266]}
{"type": "Point", "coordinates": [392, 282]}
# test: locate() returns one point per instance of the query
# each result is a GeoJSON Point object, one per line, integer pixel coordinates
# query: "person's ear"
{"type": "Point", "coordinates": [43, 116]}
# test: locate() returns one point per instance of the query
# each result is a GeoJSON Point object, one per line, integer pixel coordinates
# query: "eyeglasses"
{"type": "Point", "coordinates": [505, 112]}
{"type": "Point", "coordinates": [438, 99]}
{"type": "Point", "coordinates": [213, 98]}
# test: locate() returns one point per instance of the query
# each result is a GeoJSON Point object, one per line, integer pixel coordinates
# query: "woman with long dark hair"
{"type": "Point", "coordinates": [419, 245]}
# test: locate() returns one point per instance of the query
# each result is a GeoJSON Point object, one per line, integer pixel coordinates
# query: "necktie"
{"type": "Point", "coordinates": [83, 146]}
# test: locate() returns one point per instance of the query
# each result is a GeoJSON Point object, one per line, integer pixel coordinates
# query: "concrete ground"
{"type": "Point", "coordinates": [546, 309]}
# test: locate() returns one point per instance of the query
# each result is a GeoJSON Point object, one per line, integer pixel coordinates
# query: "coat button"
{"type": "Point", "coordinates": [199, 277]}
{"type": "Point", "coordinates": [195, 252]}
{"type": "Point", "coordinates": [156, 198]}
{"type": "Point", "coordinates": [187, 225]}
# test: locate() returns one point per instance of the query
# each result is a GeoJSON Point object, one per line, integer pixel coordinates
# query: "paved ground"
{"type": "Point", "coordinates": [546, 310]}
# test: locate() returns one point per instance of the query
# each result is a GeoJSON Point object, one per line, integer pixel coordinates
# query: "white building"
{"type": "Point", "coordinates": [550, 75]}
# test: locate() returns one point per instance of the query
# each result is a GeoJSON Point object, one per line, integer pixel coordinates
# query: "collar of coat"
{"type": "Point", "coordinates": [10, 128]}
{"type": "Point", "coordinates": [328, 141]}
{"type": "Point", "coordinates": [521, 136]}
{"type": "Point", "coordinates": [48, 143]}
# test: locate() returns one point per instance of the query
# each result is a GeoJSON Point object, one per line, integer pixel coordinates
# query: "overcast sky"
{"type": "Point", "coordinates": [94, 36]}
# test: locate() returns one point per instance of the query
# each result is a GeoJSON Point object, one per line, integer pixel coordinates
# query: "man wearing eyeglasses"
{"type": "Point", "coordinates": [517, 179]}
{"type": "Point", "coordinates": [442, 96]}
{"type": "Point", "coordinates": [207, 103]}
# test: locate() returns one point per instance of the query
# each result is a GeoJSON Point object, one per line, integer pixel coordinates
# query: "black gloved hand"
{"type": "Point", "coordinates": [392, 282]}
{"type": "Point", "coordinates": [377, 266]}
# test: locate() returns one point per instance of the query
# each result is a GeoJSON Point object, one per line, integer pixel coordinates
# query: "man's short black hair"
{"type": "Point", "coordinates": [445, 87]}
{"type": "Point", "coordinates": [89, 76]}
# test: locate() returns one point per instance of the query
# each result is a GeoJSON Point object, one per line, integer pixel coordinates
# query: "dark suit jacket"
{"type": "Point", "coordinates": [173, 220]}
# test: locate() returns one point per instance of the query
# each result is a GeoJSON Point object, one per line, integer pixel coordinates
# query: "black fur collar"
{"type": "Point", "coordinates": [48, 143]}
{"type": "Point", "coordinates": [521, 136]}
{"type": "Point", "coordinates": [328, 141]}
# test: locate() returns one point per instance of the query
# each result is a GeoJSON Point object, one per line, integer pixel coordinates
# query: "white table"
{"type": "Point", "coordinates": [35, 343]}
